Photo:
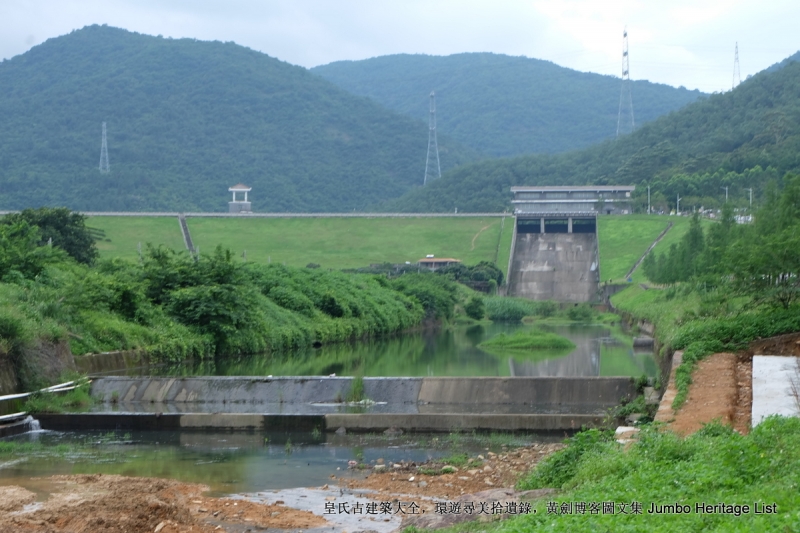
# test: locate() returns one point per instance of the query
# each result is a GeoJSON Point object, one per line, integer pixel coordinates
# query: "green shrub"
{"type": "Point", "coordinates": [509, 309]}
{"type": "Point", "coordinates": [580, 313]}
{"type": "Point", "coordinates": [475, 308]}
{"type": "Point", "coordinates": [533, 339]}
{"type": "Point", "coordinates": [558, 469]}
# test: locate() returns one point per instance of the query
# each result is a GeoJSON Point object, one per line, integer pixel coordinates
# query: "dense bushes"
{"type": "Point", "coordinates": [514, 309]}
{"type": "Point", "coordinates": [437, 294]}
{"type": "Point", "coordinates": [175, 306]}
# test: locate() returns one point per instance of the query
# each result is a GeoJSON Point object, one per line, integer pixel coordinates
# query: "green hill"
{"type": "Point", "coordinates": [186, 120]}
{"type": "Point", "coordinates": [502, 105]}
{"type": "Point", "coordinates": [741, 139]}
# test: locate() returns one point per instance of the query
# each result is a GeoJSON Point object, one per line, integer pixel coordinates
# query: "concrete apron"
{"type": "Point", "coordinates": [307, 403]}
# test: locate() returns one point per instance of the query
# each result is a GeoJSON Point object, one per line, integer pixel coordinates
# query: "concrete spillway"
{"type": "Point", "coordinates": [412, 404]}
{"type": "Point", "coordinates": [554, 266]}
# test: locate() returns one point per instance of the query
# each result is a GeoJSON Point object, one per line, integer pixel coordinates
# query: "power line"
{"type": "Point", "coordinates": [432, 145]}
{"type": "Point", "coordinates": [737, 76]}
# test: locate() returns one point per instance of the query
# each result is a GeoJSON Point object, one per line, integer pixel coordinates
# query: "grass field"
{"type": "Point", "coordinates": [356, 242]}
{"type": "Point", "coordinates": [123, 234]}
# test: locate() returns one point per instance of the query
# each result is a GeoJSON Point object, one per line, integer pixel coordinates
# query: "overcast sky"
{"type": "Point", "coordinates": [677, 42]}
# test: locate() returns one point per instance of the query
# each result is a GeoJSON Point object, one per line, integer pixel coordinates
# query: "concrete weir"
{"type": "Point", "coordinates": [305, 403]}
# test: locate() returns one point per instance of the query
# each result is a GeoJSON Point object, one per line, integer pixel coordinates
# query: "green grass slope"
{"type": "Point", "coordinates": [503, 105]}
{"type": "Point", "coordinates": [739, 139]}
{"type": "Point", "coordinates": [122, 235]}
{"type": "Point", "coordinates": [623, 239]}
{"type": "Point", "coordinates": [186, 120]}
{"type": "Point", "coordinates": [355, 242]}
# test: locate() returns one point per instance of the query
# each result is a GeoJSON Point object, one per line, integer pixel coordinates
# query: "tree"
{"type": "Point", "coordinates": [62, 228]}
{"type": "Point", "coordinates": [20, 250]}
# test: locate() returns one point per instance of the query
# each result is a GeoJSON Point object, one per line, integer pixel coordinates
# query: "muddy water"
{"type": "Point", "coordinates": [599, 351]}
{"type": "Point", "coordinates": [227, 462]}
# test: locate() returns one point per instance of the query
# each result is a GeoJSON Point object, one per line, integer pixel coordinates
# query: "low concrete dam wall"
{"type": "Point", "coordinates": [412, 404]}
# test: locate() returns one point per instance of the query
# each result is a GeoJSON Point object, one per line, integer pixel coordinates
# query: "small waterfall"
{"type": "Point", "coordinates": [32, 424]}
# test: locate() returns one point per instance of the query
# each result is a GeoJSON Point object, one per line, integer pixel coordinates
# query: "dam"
{"type": "Point", "coordinates": [554, 251]}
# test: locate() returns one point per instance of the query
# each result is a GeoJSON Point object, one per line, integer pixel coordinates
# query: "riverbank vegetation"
{"type": "Point", "coordinates": [712, 466]}
{"type": "Point", "coordinates": [725, 286]}
{"type": "Point", "coordinates": [175, 306]}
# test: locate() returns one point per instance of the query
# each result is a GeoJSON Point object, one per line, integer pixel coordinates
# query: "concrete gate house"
{"type": "Point", "coordinates": [242, 205]}
{"type": "Point", "coordinates": [554, 248]}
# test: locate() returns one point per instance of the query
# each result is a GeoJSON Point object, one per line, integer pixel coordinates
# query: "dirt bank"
{"type": "Point", "coordinates": [117, 504]}
{"type": "Point", "coordinates": [482, 472]}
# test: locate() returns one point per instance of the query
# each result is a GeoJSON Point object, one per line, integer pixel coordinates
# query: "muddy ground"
{"type": "Point", "coordinates": [118, 504]}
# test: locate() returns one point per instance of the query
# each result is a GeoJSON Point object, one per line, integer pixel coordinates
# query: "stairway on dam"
{"type": "Point", "coordinates": [554, 266]}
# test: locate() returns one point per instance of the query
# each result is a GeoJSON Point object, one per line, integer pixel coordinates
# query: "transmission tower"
{"type": "Point", "coordinates": [625, 123]}
{"type": "Point", "coordinates": [433, 147]}
{"type": "Point", "coordinates": [104, 168]}
{"type": "Point", "coordinates": [737, 76]}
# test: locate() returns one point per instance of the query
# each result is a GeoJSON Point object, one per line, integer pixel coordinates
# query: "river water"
{"type": "Point", "coordinates": [244, 462]}
{"type": "Point", "coordinates": [227, 462]}
{"type": "Point", "coordinates": [600, 350]}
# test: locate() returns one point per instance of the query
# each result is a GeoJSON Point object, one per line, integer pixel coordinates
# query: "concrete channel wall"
{"type": "Point", "coordinates": [305, 403]}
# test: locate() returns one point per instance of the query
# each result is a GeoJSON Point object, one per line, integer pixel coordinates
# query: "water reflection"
{"type": "Point", "coordinates": [599, 351]}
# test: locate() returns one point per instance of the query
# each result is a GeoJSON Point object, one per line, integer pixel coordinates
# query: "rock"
{"type": "Point", "coordinates": [341, 431]}
{"type": "Point", "coordinates": [379, 468]}
{"type": "Point", "coordinates": [473, 471]}
{"type": "Point", "coordinates": [491, 454]}
{"type": "Point", "coordinates": [488, 481]}
{"type": "Point", "coordinates": [651, 396]}
{"type": "Point", "coordinates": [449, 469]}
{"type": "Point", "coordinates": [480, 457]}
{"type": "Point", "coordinates": [380, 461]}
{"type": "Point", "coordinates": [411, 478]}
{"type": "Point", "coordinates": [159, 527]}
{"type": "Point", "coordinates": [422, 484]}
{"type": "Point", "coordinates": [393, 432]}
{"type": "Point", "coordinates": [487, 468]}
{"type": "Point", "coordinates": [633, 418]}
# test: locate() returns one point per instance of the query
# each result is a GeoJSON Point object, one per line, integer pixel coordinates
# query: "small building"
{"type": "Point", "coordinates": [239, 204]}
{"type": "Point", "coordinates": [435, 263]}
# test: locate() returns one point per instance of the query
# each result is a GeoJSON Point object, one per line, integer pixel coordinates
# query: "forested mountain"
{"type": "Point", "coordinates": [740, 139]}
{"type": "Point", "coordinates": [503, 105]}
{"type": "Point", "coordinates": [188, 119]}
